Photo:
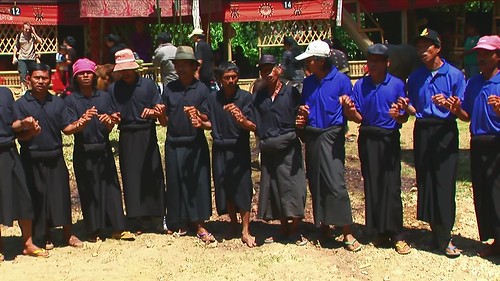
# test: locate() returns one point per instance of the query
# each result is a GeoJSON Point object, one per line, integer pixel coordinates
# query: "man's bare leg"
{"type": "Point", "coordinates": [28, 247]}
{"type": "Point", "coordinates": [231, 210]}
{"type": "Point", "coordinates": [246, 237]}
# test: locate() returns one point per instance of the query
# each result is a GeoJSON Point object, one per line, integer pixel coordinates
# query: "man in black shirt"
{"type": "Point", "coordinates": [204, 55]}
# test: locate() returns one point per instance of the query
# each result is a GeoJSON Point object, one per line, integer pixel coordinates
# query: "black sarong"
{"type": "Point", "coordinates": [380, 157]}
{"type": "Point", "coordinates": [141, 170]}
{"type": "Point", "coordinates": [232, 174]}
{"type": "Point", "coordinates": [282, 192]}
{"type": "Point", "coordinates": [15, 200]}
{"type": "Point", "coordinates": [436, 158]}
{"type": "Point", "coordinates": [98, 186]}
{"type": "Point", "coordinates": [188, 181]}
{"type": "Point", "coordinates": [485, 170]}
{"type": "Point", "coordinates": [325, 158]}
{"type": "Point", "coordinates": [48, 182]}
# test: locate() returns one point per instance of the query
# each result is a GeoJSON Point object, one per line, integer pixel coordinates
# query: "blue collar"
{"type": "Point", "coordinates": [385, 82]}
{"type": "Point", "coordinates": [79, 95]}
{"type": "Point", "coordinates": [329, 76]}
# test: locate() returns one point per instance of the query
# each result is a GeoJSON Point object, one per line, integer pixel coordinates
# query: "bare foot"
{"type": "Point", "coordinates": [248, 239]}
{"type": "Point", "coordinates": [73, 241]}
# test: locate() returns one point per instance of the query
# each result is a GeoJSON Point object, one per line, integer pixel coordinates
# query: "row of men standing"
{"type": "Point", "coordinates": [274, 112]}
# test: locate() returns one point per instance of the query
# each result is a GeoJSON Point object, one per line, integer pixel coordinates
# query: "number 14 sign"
{"type": "Point", "coordinates": [287, 4]}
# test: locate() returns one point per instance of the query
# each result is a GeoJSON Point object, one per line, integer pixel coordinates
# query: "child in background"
{"type": "Point", "coordinates": [62, 65]}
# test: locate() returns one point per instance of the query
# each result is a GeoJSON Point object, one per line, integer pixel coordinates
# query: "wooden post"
{"type": "Point", "coordinates": [404, 26]}
{"type": "Point", "coordinates": [226, 27]}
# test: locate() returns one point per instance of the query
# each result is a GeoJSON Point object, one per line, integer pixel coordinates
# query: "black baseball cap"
{"type": "Point", "coordinates": [430, 35]}
{"type": "Point", "coordinates": [378, 49]}
{"type": "Point", "coordinates": [266, 59]}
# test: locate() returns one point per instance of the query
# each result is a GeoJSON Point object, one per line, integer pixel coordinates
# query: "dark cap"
{"type": "Point", "coordinates": [378, 49]}
{"type": "Point", "coordinates": [164, 37]}
{"type": "Point", "coordinates": [431, 35]}
{"type": "Point", "coordinates": [267, 59]}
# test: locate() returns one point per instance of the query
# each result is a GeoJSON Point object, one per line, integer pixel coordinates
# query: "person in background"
{"type": "Point", "coordinates": [105, 76]}
{"type": "Point", "coordinates": [242, 62]}
{"type": "Point", "coordinates": [138, 105]}
{"type": "Point", "coordinates": [42, 156]}
{"type": "Point", "coordinates": [204, 54]}
{"type": "Point", "coordinates": [15, 199]}
{"type": "Point", "coordinates": [93, 161]}
{"type": "Point", "coordinates": [325, 100]}
{"type": "Point", "coordinates": [72, 56]}
{"type": "Point", "coordinates": [292, 68]}
{"type": "Point", "coordinates": [163, 58]}
{"type": "Point", "coordinates": [141, 41]}
{"type": "Point", "coordinates": [431, 90]}
{"type": "Point", "coordinates": [187, 157]}
{"type": "Point", "coordinates": [114, 43]}
{"type": "Point", "coordinates": [282, 194]}
{"type": "Point", "coordinates": [25, 55]}
{"type": "Point", "coordinates": [339, 58]}
{"type": "Point", "coordinates": [482, 106]}
{"type": "Point", "coordinates": [230, 114]}
{"type": "Point", "coordinates": [471, 66]}
{"type": "Point", "coordinates": [375, 99]}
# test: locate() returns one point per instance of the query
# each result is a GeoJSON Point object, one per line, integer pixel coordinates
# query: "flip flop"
{"type": "Point", "coordinates": [180, 232]}
{"type": "Point", "coordinates": [452, 251]}
{"type": "Point", "coordinates": [349, 246]}
{"type": "Point", "coordinates": [49, 246]}
{"type": "Point", "coordinates": [299, 240]}
{"type": "Point", "coordinates": [39, 253]}
{"type": "Point", "coordinates": [402, 247]}
{"type": "Point", "coordinates": [124, 235]}
{"type": "Point", "coordinates": [206, 237]}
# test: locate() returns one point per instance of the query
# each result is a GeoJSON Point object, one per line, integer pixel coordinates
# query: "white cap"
{"type": "Point", "coordinates": [196, 31]}
{"type": "Point", "coordinates": [316, 48]}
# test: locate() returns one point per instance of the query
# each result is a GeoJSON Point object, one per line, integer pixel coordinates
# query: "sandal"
{"type": "Point", "coordinates": [124, 235]}
{"type": "Point", "coordinates": [299, 240]}
{"type": "Point", "coordinates": [350, 246]}
{"type": "Point", "coordinates": [49, 246]}
{"type": "Point", "coordinates": [452, 251]}
{"type": "Point", "coordinates": [2, 258]}
{"type": "Point", "coordinates": [206, 237]}
{"type": "Point", "coordinates": [38, 253]}
{"type": "Point", "coordinates": [402, 247]}
{"type": "Point", "coordinates": [179, 233]}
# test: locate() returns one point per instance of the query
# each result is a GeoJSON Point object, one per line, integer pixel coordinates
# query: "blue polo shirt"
{"type": "Point", "coordinates": [95, 132]}
{"type": "Point", "coordinates": [322, 97]}
{"type": "Point", "coordinates": [374, 101]}
{"type": "Point", "coordinates": [483, 120]}
{"type": "Point", "coordinates": [52, 115]}
{"type": "Point", "coordinates": [422, 85]}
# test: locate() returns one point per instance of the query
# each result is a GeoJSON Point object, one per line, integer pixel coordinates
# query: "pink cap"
{"type": "Point", "coordinates": [82, 65]}
{"type": "Point", "coordinates": [125, 60]}
{"type": "Point", "coordinates": [491, 43]}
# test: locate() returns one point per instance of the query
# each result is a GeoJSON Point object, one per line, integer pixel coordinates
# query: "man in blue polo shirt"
{"type": "Point", "coordinates": [375, 98]}
{"type": "Point", "coordinates": [481, 104]}
{"type": "Point", "coordinates": [322, 118]}
{"type": "Point", "coordinates": [432, 89]}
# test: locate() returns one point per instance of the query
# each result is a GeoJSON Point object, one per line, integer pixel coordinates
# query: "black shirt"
{"type": "Point", "coordinates": [225, 130]}
{"type": "Point", "coordinates": [130, 100]}
{"type": "Point", "coordinates": [52, 115]}
{"type": "Point", "coordinates": [176, 97]}
{"type": "Point", "coordinates": [6, 116]}
{"type": "Point", "coordinates": [204, 52]}
{"type": "Point", "coordinates": [95, 132]}
{"type": "Point", "coordinates": [275, 118]}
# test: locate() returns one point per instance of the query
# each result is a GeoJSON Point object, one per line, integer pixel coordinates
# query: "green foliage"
{"type": "Point", "coordinates": [246, 37]}
{"type": "Point", "coordinates": [179, 32]}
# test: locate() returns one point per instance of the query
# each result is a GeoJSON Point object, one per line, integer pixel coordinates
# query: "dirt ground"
{"type": "Point", "coordinates": [165, 257]}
